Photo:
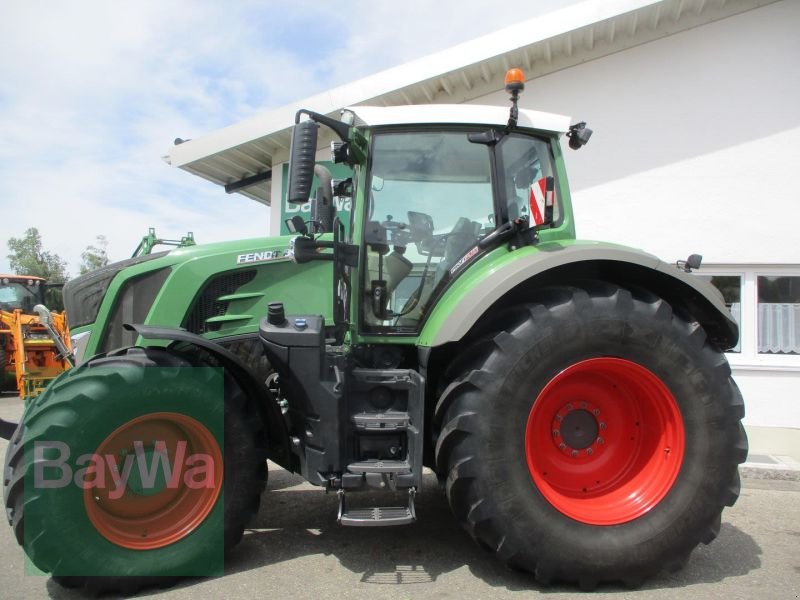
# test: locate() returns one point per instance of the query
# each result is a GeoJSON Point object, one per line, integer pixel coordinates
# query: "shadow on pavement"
{"type": "Point", "coordinates": [297, 520]}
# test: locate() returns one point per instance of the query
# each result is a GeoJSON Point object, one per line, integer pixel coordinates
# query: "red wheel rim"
{"type": "Point", "coordinates": [152, 512]}
{"type": "Point", "coordinates": [604, 441]}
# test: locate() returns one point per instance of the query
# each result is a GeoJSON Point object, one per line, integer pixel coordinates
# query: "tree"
{"type": "Point", "coordinates": [28, 258]}
{"type": "Point", "coordinates": [95, 256]}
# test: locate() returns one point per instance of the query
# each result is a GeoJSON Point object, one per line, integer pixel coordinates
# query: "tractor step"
{"type": "Point", "coordinates": [386, 421]}
{"type": "Point", "coordinates": [399, 467]}
{"type": "Point", "coordinates": [377, 516]}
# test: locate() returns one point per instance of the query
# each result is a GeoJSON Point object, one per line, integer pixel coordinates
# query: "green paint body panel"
{"type": "Point", "coordinates": [302, 288]}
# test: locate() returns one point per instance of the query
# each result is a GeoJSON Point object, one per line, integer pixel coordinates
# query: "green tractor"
{"type": "Point", "coordinates": [572, 397]}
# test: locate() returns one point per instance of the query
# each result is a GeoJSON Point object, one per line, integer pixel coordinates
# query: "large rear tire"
{"type": "Point", "coordinates": [593, 436]}
{"type": "Point", "coordinates": [156, 532]}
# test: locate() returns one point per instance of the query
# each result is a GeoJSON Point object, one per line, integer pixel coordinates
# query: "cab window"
{"type": "Point", "coordinates": [430, 201]}
{"type": "Point", "coordinates": [526, 164]}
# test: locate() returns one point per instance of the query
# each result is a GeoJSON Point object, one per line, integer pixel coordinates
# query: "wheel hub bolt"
{"type": "Point", "coordinates": [574, 453]}
{"type": "Point", "coordinates": [556, 432]}
{"type": "Point", "coordinates": [599, 440]}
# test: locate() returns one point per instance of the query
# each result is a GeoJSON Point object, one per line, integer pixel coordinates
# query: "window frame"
{"type": "Point", "coordinates": [749, 357]}
{"type": "Point", "coordinates": [759, 274]}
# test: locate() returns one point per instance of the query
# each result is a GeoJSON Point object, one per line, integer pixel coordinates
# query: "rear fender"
{"type": "Point", "coordinates": [503, 279]}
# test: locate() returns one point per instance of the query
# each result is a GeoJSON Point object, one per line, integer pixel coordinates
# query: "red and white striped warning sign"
{"type": "Point", "coordinates": [540, 197]}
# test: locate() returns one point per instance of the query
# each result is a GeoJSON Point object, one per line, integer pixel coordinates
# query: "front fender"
{"type": "Point", "coordinates": [256, 391]}
{"type": "Point", "coordinates": [492, 279]}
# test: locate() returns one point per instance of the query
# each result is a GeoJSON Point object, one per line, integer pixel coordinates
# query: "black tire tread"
{"type": "Point", "coordinates": [53, 410]}
{"type": "Point", "coordinates": [463, 400]}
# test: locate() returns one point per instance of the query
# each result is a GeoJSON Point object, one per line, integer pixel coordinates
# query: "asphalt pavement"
{"type": "Point", "coordinates": [295, 549]}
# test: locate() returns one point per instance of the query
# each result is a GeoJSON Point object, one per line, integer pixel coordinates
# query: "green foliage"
{"type": "Point", "coordinates": [27, 257]}
{"type": "Point", "coordinates": [95, 256]}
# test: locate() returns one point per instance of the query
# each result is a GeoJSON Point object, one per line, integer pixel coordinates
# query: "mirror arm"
{"type": "Point", "coordinates": [306, 250]}
{"type": "Point", "coordinates": [341, 129]}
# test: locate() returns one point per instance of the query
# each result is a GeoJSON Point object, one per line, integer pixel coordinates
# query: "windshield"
{"type": "Point", "coordinates": [15, 295]}
{"type": "Point", "coordinates": [430, 201]}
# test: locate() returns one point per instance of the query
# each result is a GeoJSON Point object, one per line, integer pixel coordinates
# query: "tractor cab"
{"type": "Point", "coordinates": [21, 293]}
{"type": "Point", "coordinates": [436, 200]}
{"type": "Point", "coordinates": [435, 188]}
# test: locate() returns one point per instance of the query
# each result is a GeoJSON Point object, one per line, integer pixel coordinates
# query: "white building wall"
{"type": "Point", "coordinates": [697, 139]}
{"type": "Point", "coordinates": [697, 149]}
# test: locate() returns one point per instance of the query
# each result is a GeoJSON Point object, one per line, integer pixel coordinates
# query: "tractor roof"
{"type": "Point", "coordinates": [472, 114]}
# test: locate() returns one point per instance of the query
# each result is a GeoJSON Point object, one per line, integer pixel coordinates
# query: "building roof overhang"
{"type": "Point", "coordinates": [240, 156]}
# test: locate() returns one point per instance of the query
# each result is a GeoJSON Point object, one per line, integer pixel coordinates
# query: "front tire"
{"type": "Point", "coordinates": [156, 532]}
{"type": "Point", "coordinates": [595, 437]}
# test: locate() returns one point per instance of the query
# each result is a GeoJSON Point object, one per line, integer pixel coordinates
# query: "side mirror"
{"type": "Point", "coordinates": [302, 156]}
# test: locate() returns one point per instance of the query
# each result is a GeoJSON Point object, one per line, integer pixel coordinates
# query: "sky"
{"type": "Point", "coordinates": [92, 94]}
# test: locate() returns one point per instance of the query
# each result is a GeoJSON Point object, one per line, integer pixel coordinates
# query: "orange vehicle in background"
{"type": "Point", "coordinates": [34, 343]}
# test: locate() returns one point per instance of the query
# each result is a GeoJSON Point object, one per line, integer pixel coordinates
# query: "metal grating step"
{"type": "Point", "coordinates": [377, 516]}
{"type": "Point", "coordinates": [380, 466]}
{"type": "Point", "coordinates": [388, 421]}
